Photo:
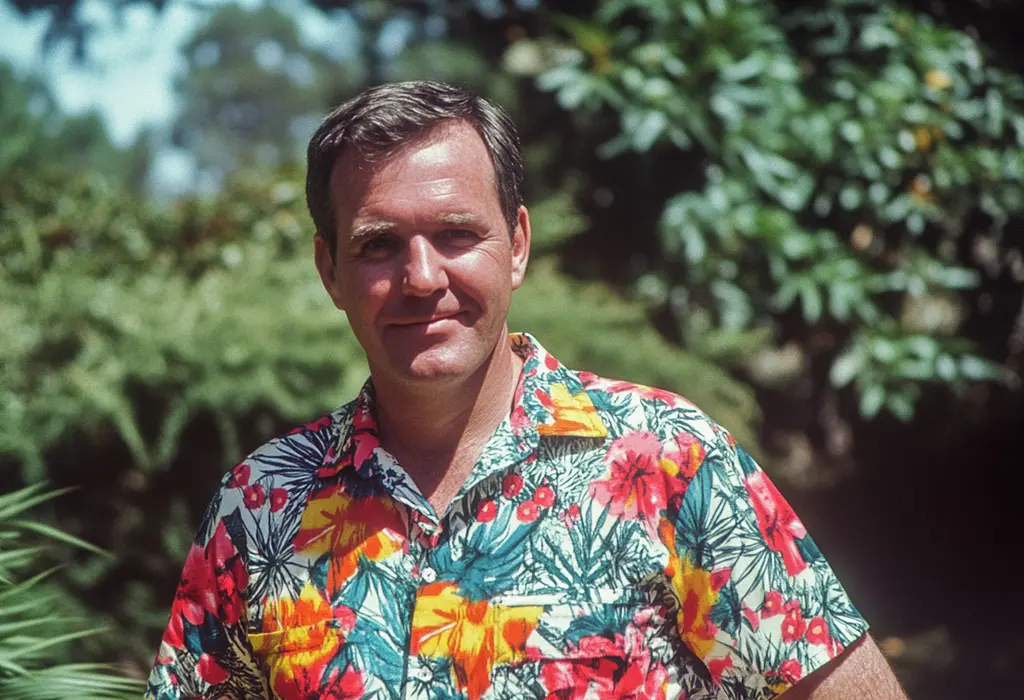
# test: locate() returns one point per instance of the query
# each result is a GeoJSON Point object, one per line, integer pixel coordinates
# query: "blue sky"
{"type": "Point", "coordinates": [128, 75]}
{"type": "Point", "coordinates": [131, 59]}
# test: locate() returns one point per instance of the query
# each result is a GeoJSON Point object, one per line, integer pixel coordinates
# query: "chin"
{"type": "Point", "coordinates": [436, 364]}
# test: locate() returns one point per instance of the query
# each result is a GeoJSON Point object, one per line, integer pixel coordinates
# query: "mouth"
{"type": "Point", "coordinates": [424, 322]}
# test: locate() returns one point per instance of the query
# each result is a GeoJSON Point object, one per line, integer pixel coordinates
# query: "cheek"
{"type": "Point", "coordinates": [367, 292]}
{"type": "Point", "coordinates": [484, 275]}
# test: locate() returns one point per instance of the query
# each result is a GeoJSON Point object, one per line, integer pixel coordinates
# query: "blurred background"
{"type": "Point", "coordinates": [804, 216]}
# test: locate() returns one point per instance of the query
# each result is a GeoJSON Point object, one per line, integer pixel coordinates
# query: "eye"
{"type": "Point", "coordinates": [459, 236]}
{"type": "Point", "coordinates": [378, 246]}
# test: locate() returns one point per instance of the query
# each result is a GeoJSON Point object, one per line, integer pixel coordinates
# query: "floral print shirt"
{"type": "Point", "coordinates": [611, 542]}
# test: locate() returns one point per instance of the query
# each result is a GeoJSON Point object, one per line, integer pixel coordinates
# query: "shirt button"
{"type": "Point", "coordinates": [428, 574]}
{"type": "Point", "coordinates": [419, 673]}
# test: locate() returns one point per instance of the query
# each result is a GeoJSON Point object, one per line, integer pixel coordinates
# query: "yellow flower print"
{"type": "Point", "coordinates": [297, 641]}
{"type": "Point", "coordinates": [574, 415]}
{"type": "Point", "coordinates": [349, 528]}
{"type": "Point", "coordinates": [475, 635]}
{"type": "Point", "coordinates": [697, 591]}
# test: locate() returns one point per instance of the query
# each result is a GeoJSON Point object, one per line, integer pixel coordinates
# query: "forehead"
{"type": "Point", "coordinates": [447, 165]}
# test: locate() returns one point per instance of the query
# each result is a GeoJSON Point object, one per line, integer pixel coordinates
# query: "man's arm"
{"type": "Point", "coordinates": [860, 672]}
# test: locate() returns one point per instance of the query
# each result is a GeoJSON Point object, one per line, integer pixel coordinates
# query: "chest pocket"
{"type": "Point", "coordinates": [611, 645]}
{"type": "Point", "coordinates": [297, 658]}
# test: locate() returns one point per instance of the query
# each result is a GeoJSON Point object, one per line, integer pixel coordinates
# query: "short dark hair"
{"type": "Point", "coordinates": [380, 120]}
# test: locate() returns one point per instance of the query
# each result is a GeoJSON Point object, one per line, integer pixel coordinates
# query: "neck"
{"type": "Point", "coordinates": [429, 426]}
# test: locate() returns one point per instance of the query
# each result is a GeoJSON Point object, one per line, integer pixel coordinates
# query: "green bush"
{"type": "Point", "coordinates": [852, 156]}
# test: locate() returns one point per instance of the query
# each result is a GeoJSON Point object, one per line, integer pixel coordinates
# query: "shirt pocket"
{"type": "Point", "coordinates": [297, 657]}
{"type": "Point", "coordinates": [592, 648]}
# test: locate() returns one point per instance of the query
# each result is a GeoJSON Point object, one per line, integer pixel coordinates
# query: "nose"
{"type": "Point", "coordinates": [423, 273]}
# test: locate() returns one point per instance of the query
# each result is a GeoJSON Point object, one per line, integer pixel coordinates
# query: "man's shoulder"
{"type": "Point", "coordinates": [647, 408]}
{"type": "Point", "coordinates": [298, 453]}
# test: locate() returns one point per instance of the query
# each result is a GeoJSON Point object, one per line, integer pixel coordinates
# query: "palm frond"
{"type": "Point", "coordinates": [34, 635]}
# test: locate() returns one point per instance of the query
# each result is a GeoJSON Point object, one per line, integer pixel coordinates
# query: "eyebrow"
{"type": "Point", "coordinates": [467, 220]}
{"type": "Point", "coordinates": [371, 228]}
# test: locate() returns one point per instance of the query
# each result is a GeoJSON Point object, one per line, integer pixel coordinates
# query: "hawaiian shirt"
{"type": "Point", "coordinates": [612, 541]}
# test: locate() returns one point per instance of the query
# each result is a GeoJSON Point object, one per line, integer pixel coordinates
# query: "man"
{"type": "Point", "coordinates": [481, 521]}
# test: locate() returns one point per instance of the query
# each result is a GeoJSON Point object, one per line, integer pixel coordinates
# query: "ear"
{"type": "Point", "coordinates": [520, 247]}
{"type": "Point", "coordinates": [324, 258]}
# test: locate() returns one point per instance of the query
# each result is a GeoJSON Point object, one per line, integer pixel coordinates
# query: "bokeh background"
{"type": "Point", "coordinates": [804, 216]}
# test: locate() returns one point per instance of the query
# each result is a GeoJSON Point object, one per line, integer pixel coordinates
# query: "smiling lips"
{"type": "Point", "coordinates": [426, 321]}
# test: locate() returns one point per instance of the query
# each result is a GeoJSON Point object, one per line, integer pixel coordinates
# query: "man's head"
{"type": "Point", "coordinates": [421, 238]}
{"type": "Point", "coordinates": [380, 120]}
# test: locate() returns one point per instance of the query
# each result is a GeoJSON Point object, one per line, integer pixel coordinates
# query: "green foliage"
{"type": "Point", "coordinates": [34, 636]}
{"type": "Point", "coordinates": [211, 307]}
{"type": "Point", "coordinates": [850, 155]}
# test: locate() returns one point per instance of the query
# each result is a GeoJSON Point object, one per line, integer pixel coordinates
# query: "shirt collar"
{"type": "Point", "coordinates": [552, 397]}
{"type": "Point", "coordinates": [550, 401]}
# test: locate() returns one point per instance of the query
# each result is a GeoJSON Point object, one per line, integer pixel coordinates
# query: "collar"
{"type": "Point", "coordinates": [550, 401]}
{"type": "Point", "coordinates": [551, 396]}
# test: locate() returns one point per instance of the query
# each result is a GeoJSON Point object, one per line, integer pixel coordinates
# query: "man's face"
{"type": "Point", "coordinates": [424, 266]}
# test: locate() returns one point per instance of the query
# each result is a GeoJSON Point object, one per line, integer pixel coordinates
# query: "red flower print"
{"type": "Point", "coordinates": [362, 443]}
{"type": "Point", "coordinates": [329, 464]}
{"type": "Point", "coordinates": [254, 496]}
{"type": "Point", "coordinates": [817, 631]}
{"type": "Point", "coordinates": [637, 486]}
{"type": "Point", "coordinates": [211, 671]}
{"type": "Point", "coordinates": [612, 669]}
{"type": "Point", "coordinates": [519, 418]}
{"type": "Point", "coordinates": [211, 582]}
{"type": "Point", "coordinates": [319, 423]}
{"type": "Point", "coordinates": [687, 454]}
{"type": "Point", "coordinates": [544, 399]}
{"type": "Point", "coordinates": [239, 476]}
{"type": "Point", "coordinates": [527, 512]}
{"type": "Point", "coordinates": [343, 686]}
{"type": "Point", "coordinates": [719, 578]}
{"type": "Point", "coordinates": [278, 497]}
{"type": "Point", "coordinates": [717, 667]}
{"type": "Point", "coordinates": [776, 520]}
{"type": "Point", "coordinates": [512, 485]}
{"type": "Point", "coordinates": [571, 515]}
{"type": "Point", "coordinates": [544, 496]}
{"type": "Point", "coordinates": [346, 617]}
{"type": "Point", "coordinates": [309, 681]}
{"type": "Point", "coordinates": [793, 626]}
{"type": "Point", "coordinates": [791, 671]}
{"type": "Point", "coordinates": [752, 618]}
{"type": "Point", "coordinates": [486, 511]}
{"type": "Point", "coordinates": [772, 604]}
{"type": "Point", "coordinates": [365, 443]}
{"type": "Point", "coordinates": [646, 392]}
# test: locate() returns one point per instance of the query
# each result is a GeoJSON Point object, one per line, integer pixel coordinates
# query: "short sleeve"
{"type": "Point", "coordinates": [205, 650]}
{"type": "Point", "coordinates": [759, 605]}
